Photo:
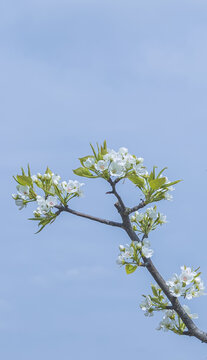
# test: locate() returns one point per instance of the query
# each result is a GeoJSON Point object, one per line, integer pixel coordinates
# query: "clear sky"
{"type": "Point", "coordinates": [74, 72]}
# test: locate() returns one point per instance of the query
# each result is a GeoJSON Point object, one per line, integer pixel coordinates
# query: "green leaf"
{"type": "Point", "coordinates": [48, 171]}
{"type": "Point", "coordinates": [24, 180]}
{"type": "Point", "coordinates": [154, 290]}
{"type": "Point", "coordinates": [171, 183]}
{"type": "Point", "coordinates": [152, 174]}
{"type": "Point", "coordinates": [161, 172]}
{"type": "Point", "coordinates": [29, 172]}
{"type": "Point", "coordinates": [23, 173]}
{"type": "Point", "coordinates": [130, 268]}
{"type": "Point", "coordinates": [157, 183]}
{"type": "Point", "coordinates": [84, 172]}
{"type": "Point", "coordinates": [95, 155]}
{"type": "Point", "coordinates": [104, 148]}
{"type": "Point", "coordinates": [83, 159]}
{"type": "Point", "coordinates": [136, 180]}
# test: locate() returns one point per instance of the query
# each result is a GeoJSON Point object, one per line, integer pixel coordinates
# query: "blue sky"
{"type": "Point", "coordinates": [74, 72]}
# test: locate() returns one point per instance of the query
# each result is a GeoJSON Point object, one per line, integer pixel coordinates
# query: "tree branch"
{"type": "Point", "coordinates": [90, 217]}
{"type": "Point", "coordinates": [137, 207]}
{"type": "Point", "coordinates": [192, 328]}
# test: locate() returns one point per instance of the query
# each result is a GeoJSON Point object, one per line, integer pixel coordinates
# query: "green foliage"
{"type": "Point", "coordinates": [130, 268]}
{"type": "Point", "coordinates": [84, 172]}
{"type": "Point", "coordinates": [137, 180]}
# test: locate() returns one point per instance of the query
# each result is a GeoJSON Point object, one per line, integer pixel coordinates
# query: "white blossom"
{"type": "Point", "coordinates": [89, 162]}
{"type": "Point", "coordinates": [74, 187]}
{"type": "Point", "coordinates": [101, 165]}
{"type": "Point", "coordinates": [51, 201]}
{"type": "Point", "coordinates": [56, 179]}
{"type": "Point", "coordinates": [23, 191]}
{"type": "Point", "coordinates": [163, 218]}
{"type": "Point", "coordinates": [146, 250]}
{"type": "Point", "coordinates": [168, 196]}
{"type": "Point", "coordinates": [20, 203]}
{"type": "Point", "coordinates": [123, 151]}
{"type": "Point", "coordinates": [187, 275]}
{"type": "Point", "coordinates": [168, 321]}
{"type": "Point", "coordinates": [116, 169]}
{"type": "Point", "coordinates": [146, 306]}
{"type": "Point", "coordinates": [34, 177]}
{"type": "Point", "coordinates": [176, 290]}
{"type": "Point", "coordinates": [187, 310]}
{"type": "Point", "coordinates": [152, 213]}
{"type": "Point", "coordinates": [139, 169]}
{"type": "Point", "coordinates": [174, 280]}
{"type": "Point", "coordinates": [137, 217]}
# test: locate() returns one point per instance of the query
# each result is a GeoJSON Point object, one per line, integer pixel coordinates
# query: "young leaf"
{"type": "Point", "coordinates": [24, 180]}
{"type": "Point", "coordinates": [130, 268]}
{"type": "Point", "coordinates": [171, 183]}
{"type": "Point", "coordinates": [95, 155]}
{"type": "Point", "coordinates": [157, 183]}
{"type": "Point", "coordinates": [48, 171]}
{"type": "Point", "coordinates": [84, 172]}
{"type": "Point", "coordinates": [161, 172]}
{"type": "Point", "coordinates": [29, 172]}
{"type": "Point", "coordinates": [154, 290]}
{"type": "Point", "coordinates": [136, 180]}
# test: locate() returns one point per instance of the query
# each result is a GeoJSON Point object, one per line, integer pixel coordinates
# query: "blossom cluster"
{"type": "Point", "coordinates": [131, 254]}
{"type": "Point", "coordinates": [116, 164]}
{"type": "Point", "coordinates": [147, 221]}
{"type": "Point", "coordinates": [188, 284]}
{"type": "Point", "coordinates": [54, 191]}
{"type": "Point", "coordinates": [172, 321]}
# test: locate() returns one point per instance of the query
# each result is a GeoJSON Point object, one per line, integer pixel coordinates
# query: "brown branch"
{"type": "Point", "coordinates": [192, 328]}
{"type": "Point", "coordinates": [137, 207]}
{"type": "Point", "coordinates": [90, 217]}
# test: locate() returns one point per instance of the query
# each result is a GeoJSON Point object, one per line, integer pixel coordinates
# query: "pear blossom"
{"type": "Point", "coordinates": [89, 162]}
{"type": "Point", "coordinates": [74, 187]}
{"type": "Point", "coordinates": [123, 151]}
{"type": "Point", "coordinates": [174, 281]}
{"type": "Point", "coordinates": [168, 322]}
{"type": "Point", "coordinates": [137, 217]}
{"type": "Point", "coordinates": [129, 252]}
{"type": "Point", "coordinates": [51, 201]}
{"type": "Point", "coordinates": [187, 310]}
{"type": "Point", "coordinates": [23, 191]}
{"type": "Point", "coordinates": [101, 165]}
{"type": "Point", "coordinates": [168, 196]}
{"type": "Point", "coordinates": [120, 260]}
{"type": "Point", "coordinates": [43, 207]}
{"type": "Point", "coordinates": [162, 218]}
{"type": "Point", "coordinates": [139, 169]}
{"type": "Point", "coordinates": [111, 155]}
{"type": "Point", "coordinates": [192, 292]}
{"type": "Point", "coordinates": [176, 290]}
{"type": "Point", "coordinates": [146, 306]}
{"type": "Point", "coordinates": [116, 169]}
{"type": "Point", "coordinates": [46, 176]}
{"type": "Point", "coordinates": [55, 179]}
{"type": "Point", "coordinates": [20, 203]}
{"type": "Point", "coordinates": [152, 213]}
{"type": "Point", "coordinates": [187, 275]}
{"type": "Point", "coordinates": [146, 250]}
{"type": "Point", "coordinates": [34, 177]}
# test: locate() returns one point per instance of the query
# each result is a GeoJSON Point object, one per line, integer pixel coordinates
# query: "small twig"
{"type": "Point", "coordinates": [137, 207]}
{"type": "Point", "coordinates": [90, 217]}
